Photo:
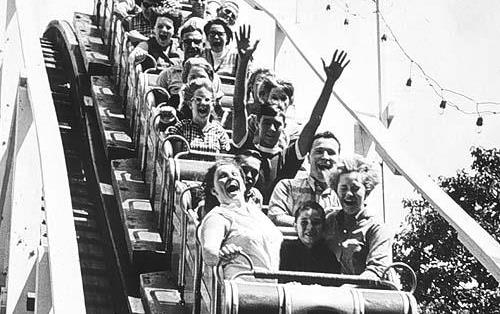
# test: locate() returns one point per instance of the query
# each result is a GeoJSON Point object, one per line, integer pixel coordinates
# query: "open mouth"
{"type": "Point", "coordinates": [324, 164]}
{"type": "Point", "coordinates": [350, 201]}
{"type": "Point", "coordinates": [203, 110]}
{"type": "Point", "coordinates": [232, 186]}
{"type": "Point", "coordinates": [163, 37]}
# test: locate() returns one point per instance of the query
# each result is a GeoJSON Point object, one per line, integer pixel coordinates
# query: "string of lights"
{"type": "Point", "coordinates": [444, 94]}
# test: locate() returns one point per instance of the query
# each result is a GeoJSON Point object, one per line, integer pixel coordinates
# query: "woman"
{"type": "Point", "coordinates": [234, 225]}
{"type": "Point", "coordinates": [361, 244]}
{"type": "Point", "coordinates": [161, 45]}
{"type": "Point", "coordinates": [220, 54]}
{"type": "Point", "coordinates": [201, 133]}
{"type": "Point", "coordinates": [309, 252]}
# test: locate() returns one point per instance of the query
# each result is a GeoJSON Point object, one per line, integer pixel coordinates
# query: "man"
{"type": "Point", "coordinates": [291, 194]}
{"type": "Point", "coordinates": [283, 161]}
{"type": "Point", "coordinates": [250, 161]}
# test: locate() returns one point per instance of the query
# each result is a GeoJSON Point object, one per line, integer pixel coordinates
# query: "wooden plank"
{"type": "Point", "coordinates": [67, 295]}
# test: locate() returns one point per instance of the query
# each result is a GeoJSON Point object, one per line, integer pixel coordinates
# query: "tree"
{"type": "Point", "coordinates": [450, 279]}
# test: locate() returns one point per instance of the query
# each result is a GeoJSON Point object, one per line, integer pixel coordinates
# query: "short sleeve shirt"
{"type": "Point", "coordinates": [212, 138]}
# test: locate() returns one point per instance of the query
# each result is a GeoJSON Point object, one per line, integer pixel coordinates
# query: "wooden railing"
{"type": "Point", "coordinates": [40, 267]}
{"type": "Point", "coordinates": [481, 244]}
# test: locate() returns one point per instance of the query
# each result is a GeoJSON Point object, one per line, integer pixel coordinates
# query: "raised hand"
{"type": "Point", "coordinates": [338, 64]}
{"type": "Point", "coordinates": [245, 49]}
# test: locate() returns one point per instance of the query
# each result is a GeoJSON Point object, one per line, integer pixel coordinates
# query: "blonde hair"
{"type": "Point", "coordinates": [369, 175]}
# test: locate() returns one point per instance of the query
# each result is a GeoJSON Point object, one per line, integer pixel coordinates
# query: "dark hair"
{"type": "Point", "coordinates": [170, 13]}
{"type": "Point", "coordinates": [253, 77]}
{"type": "Point", "coordinates": [270, 82]}
{"type": "Point", "coordinates": [208, 183]}
{"type": "Point", "coordinates": [247, 153]}
{"type": "Point", "coordinates": [325, 134]}
{"type": "Point", "coordinates": [310, 205]}
{"type": "Point", "coordinates": [219, 21]}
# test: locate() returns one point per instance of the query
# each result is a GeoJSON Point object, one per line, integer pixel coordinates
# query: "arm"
{"type": "Point", "coordinates": [139, 53]}
{"type": "Point", "coordinates": [379, 252]}
{"type": "Point", "coordinates": [279, 211]}
{"type": "Point", "coordinates": [212, 234]}
{"type": "Point", "coordinates": [245, 52]}
{"type": "Point", "coordinates": [333, 72]}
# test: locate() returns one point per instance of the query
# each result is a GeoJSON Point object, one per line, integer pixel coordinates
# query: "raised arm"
{"type": "Point", "coordinates": [245, 52]}
{"type": "Point", "coordinates": [333, 72]}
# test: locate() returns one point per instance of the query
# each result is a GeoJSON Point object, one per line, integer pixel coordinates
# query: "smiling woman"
{"type": "Point", "coordinates": [229, 227]}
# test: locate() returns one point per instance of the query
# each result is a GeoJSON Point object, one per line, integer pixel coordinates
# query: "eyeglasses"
{"type": "Point", "coordinates": [191, 41]}
{"type": "Point", "coordinates": [213, 34]}
{"type": "Point", "coordinates": [200, 100]}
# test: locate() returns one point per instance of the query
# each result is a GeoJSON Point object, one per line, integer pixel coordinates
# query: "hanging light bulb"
{"type": "Point", "coordinates": [408, 82]}
{"type": "Point", "coordinates": [346, 21]}
{"type": "Point", "coordinates": [328, 7]}
{"type": "Point", "coordinates": [384, 37]}
{"type": "Point", "coordinates": [479, 124]}
{"type": "Point", "coordinates": [442, 106]}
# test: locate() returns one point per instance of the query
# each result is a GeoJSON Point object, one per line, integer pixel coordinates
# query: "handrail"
{"type": "Point", "coordinates": [479, 242]}
{"type": "Point", "coordinates": [67, 295]}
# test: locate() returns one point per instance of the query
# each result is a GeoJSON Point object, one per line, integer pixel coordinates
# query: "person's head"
{"type": "Point", "coordinates": [249, 161]}
{"type": "Point", "coordinates": [276, 93]}
{"type": "Point", "coordinates": [271, 125]}
{"type": "Point", "coordinates": [197, 67]}
{"type": "Point", "coordinates": [166, 24]}
{"type": "Point", "coordinates": [200, 91]}
{"type": "Point", "coordinates": [354, 180]}
{"type": "Point", "coordinates": [218, 34]}
{"type": "Point", "coordinates": [309, 223]}
{"type": "Point", "coordinates": [191, 40]}
{"type": "Point", "coordinates": [228, 11]}
{"type": "Point", "coordinates": [147, 7]}
{"type": "Point", "coordinates": [323, 155]}
{"type": "Point", "coordinates": [224, 181]}
{"type": "Point", "coordinates": [255, 81]}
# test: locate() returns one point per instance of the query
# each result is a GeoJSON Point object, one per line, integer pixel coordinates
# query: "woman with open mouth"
{"type": "Point", "coordinates": [201, 132]}
{"type": "Point", "coordinates": [360, 242]}
{"type": "Point", "coordinates": [233, 225]}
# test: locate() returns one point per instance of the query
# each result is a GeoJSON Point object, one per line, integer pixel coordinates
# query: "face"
{"type": "Point", "coordinates": [202, 104]}
{"type": "Point", "coordinates": [351, 192]}
{"type": "Point", "coordinates": [163, 31]}
{"type": "Point", "coordinates": [257, 84]}
{"type": "Point", "coordinates": [323, 158]}
{"type": "Point", "coordinates": [228, 184]}
{"type": "Point", "coordinates": [192, 44]}
{"type": "Point", "coordinates": [270, 128]}
{"type": "Point", "coordinates": [278, 99]}
{"type": "Point", "coordinates": [251, 168]}
{"type": "Point", "coordinates": [196, 72]}
{"type": "Point", "coordinates": [228, 15]}
{"type": "Point", "coordinates": [217, 37]}
{"type": "Point", "coordinates": [309, 227]}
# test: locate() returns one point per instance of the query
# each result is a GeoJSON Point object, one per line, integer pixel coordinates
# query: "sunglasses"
{"type": "Point", "coordinates": [191, 41]}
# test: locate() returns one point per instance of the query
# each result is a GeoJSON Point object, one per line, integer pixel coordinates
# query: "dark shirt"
{"type": "Point", "coordinates": [295, 256]}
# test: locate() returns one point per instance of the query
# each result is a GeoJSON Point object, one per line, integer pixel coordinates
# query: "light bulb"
{"type": "Point", "coordinates": [479, 124]}
{"type": "Point", "coordinates": [442, 106]}
{"type": "Point", "coordinates": [408, 83]}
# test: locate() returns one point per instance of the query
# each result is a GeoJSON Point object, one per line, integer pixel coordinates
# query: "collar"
{"type": "Point", "coordinates": [273, 151]}
{"type": "Point", "coordinates": [316, 185]}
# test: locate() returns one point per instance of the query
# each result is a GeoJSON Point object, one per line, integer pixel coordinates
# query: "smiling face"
{"type": "Point", "coordinates": [251, 169]}
{"type": "Point", "coordinates": [201, 105]}
{"type": "Point", "coordinates": [351, 192]}
{"type": "Point", "coordinates": [323, 158]}
{"type": "Point", "coordinates": [270, 128]}
{"type": "Point", "coordinates": [257, 84]}
{"type": "Point", "coordinates": [309, 226]}
{"type": "Point", "coordinates": [278, 99]}
{"type": "Point", "coordinates": [192, 44]}
{"type": "Point", "coordinates": [229, 186]}
{"type": "Point", "coordinates": [163, 30]}
{"type": "Point", "coordinates": [217, 37]}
